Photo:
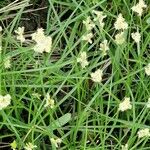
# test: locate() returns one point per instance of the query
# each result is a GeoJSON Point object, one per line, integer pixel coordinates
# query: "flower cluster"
{"type": "Point", "coordinates": [30, 146]}
{"type": "Point", "coordinates": [83, 59]}
{"type": "Point", "coordinates": [148, 103]}
{"type": "Point", "coordinates": [88, 37]}
{"type": "Point", "coordinates": [139, 7]}
{"type": "Point", "coordinates": [125, 147]}
{"type": "Point", "coordinates": [97, 76]}
{"type": "Point", "coordinates": [13, 145]}
{"type": "Point", "coordinates": [99, 18]}
{"type": "Point", "coordinates": [120, 38]}
{"type": "Point", "coordinates": [89, 24]}
{"type": "Point", "coordinates": [120, 23]}
{"type": "Point", "coordinates": [125, 104]}
{"type": "Point", "coordinates": [143, 133]}
{"type": "Point", "coordinates": [104, 47]}
{"type": "Point", "coordinates": [56, 142]}
{"type": "Point", "coordinates": [49, 101]}
{"type": "Point", "coordinates": [20, 34]}
{"type": "Point", "coordinates": [43, 43]}
{"type": "Point", "coordinates": [7, 62]}
{"type": "Point", "coordinates": [136, 36]}
{"type": "Point", "coordinates": [147, 69]}
{"type": "Point", "coordinates": [4, 101]}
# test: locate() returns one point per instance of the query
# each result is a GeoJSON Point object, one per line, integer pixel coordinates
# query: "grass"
{"type": "Point", "coordinates": [85, 115]}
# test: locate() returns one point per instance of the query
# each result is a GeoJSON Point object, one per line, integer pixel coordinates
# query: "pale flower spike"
{"type": "Point", "coordinates": [30, 146]}
{"type": "Point", "coordinates": [104, 47]}
{"type": "Point", "coordinates": [148, 103]}
{"type": "Point", "coordinates": [147, 69]}
{"type": "Point", "coordinates": [99, 17]}
{"type": "Point", "coordinates": [139, 7]}
{"type": "Point", "coordinates": [13, 145]}
{"type": "Point", "coordinates": [88, 24]}
{"type": "Point", "coordinates": [56, 142]}
{"type": "Point", "coordinates": [43, 43]}
{"type": "Point", "coordinates": [83, 59]}
{"type": "Point", "coordinates": [120, 38]}
{"type": "Point", "coordinates": [1, 29]}
{"type": "Point", "coordinates": [88, 37]}
{"type": "Point", "coordinates": [124, 147]}
{"type": "Point", "coordinates": [7, 62]}
{"type": "Point", "coordinates": [4, 101]}
{"type": "Point", "coordinates": [20, 36]}
{"type": "Point", "coordinates": [120, 23]}
{"type": "Point", "coordinates": [125, 104]}
{"type": "Point", "coordinates": [97, 76]}
{"type": "Point", "coordinates": [143, 133]}
{"type": "Point", "coordinates": [36, 95]}
{"type": "Point", "coordinates": [49, 101]}
{"type": "Point", "coordinates": [136, 36]}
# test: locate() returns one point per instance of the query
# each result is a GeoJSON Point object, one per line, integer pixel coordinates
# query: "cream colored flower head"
{"type": "Point", "coordinates": [1, 29]}
{"type": "Point", "coordinates": [99, 17]}
{"type": "Point", "coordinates": [4, 101]}
{"type": "Point", "coordinates": [7, 62]}
{"type": "Point", "coordinates": [125, 104]}
{"type": "Point", "coordinates": [147, 69]}
{"type": "Point", "coordinates": [120, 23]}
{"type": "Point", "coordinates": [30, 146]}
{"type": "Point", "coordinates": [88, 24]}
{"type": "Point", "coordinates": [143, 133]}
{"type": "Point", "coordinates": [56, 142]}
{"type": "Point", "coordinates": [88, 37]}
{"type": "Point", "coordinates": [36, 95]}
{"type": "Point", "coordinates": [148, 103]}
{"type": "Point", "coordinates": [20, 34]}
{"type": "Point", "coordinates": [136, 36]}
{"type": "Point", "coordinates": [13, 145]}
{"type": "Point", "coordinates": [43, 43]}
{"type": "Point", "coordinates": [142, 4]}
{"type": "Point", "coordinates": [120, 38]}
{"type": "Point", "coordinates": [97, 76]}
{"type": "Point", "coordinates": [38, 35]}
{"type": "Point", "coordinates": [83, 59]}
{"type": "Point", "coordinates": [104, 47]}
{"type": "Point", "coordinates": [49, 101]}
{"type": "Point", "coordinates": [124, 147]}
{"type": "Point", "coordinates": [139, 7]}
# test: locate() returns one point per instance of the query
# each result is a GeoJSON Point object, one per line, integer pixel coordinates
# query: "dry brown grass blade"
{"type": "Point", "coordinates": [15, 6]}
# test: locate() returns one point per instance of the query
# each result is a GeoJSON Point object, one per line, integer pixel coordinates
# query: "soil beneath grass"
{"type": "Point", "coordinates": [34, 16]}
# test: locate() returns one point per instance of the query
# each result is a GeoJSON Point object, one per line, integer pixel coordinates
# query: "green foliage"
{"type": "Point", "coordinates": [85, 115]}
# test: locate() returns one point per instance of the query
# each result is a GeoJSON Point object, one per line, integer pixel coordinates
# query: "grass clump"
{"type": "Point", "coordinates": [74, 75]}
